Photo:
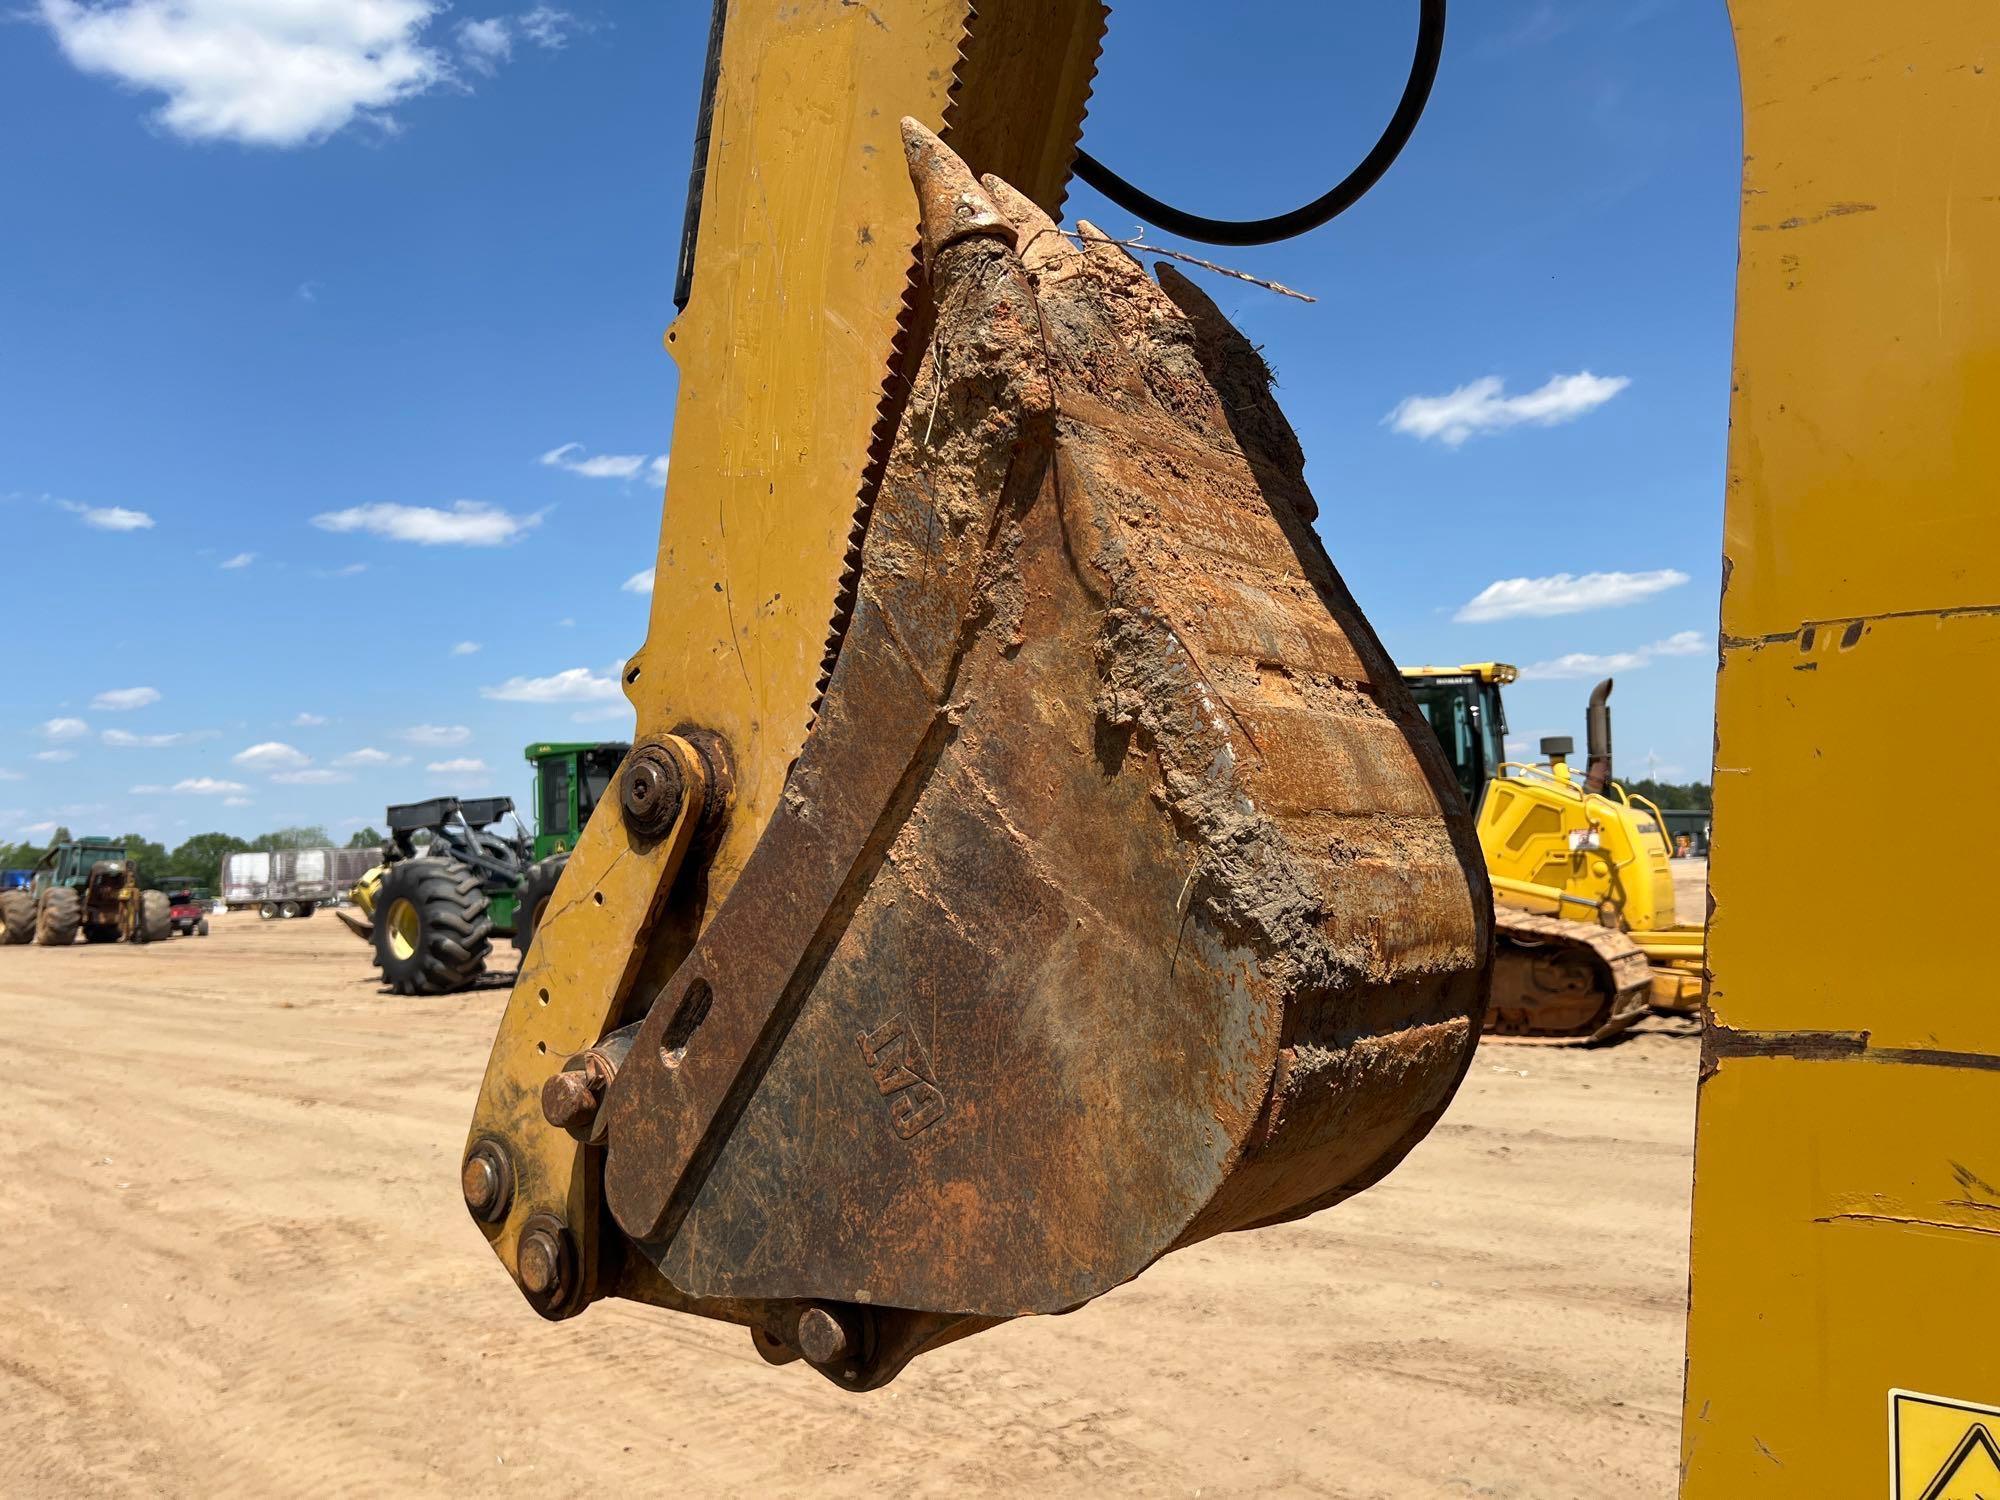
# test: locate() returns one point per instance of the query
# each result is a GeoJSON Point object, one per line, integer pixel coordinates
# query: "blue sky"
{"type": "Point", "coordinates": [331, 409]}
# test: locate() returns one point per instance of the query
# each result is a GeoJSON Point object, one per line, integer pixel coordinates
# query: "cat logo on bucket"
{"type": "Point", "coordinates": [1940, 1449]}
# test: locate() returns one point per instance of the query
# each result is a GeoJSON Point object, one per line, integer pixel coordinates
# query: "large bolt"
{"type": "Point", "coordinates": [487, 1182]}
{"type": "Point", "coordinates": [570, 1099]}
{"type": "Point", "coordinates": [651, 790]}
{"type": "Point", "coordinates": [820, 1336]}
{"type": "Point", "coordinates": [541, 1260]}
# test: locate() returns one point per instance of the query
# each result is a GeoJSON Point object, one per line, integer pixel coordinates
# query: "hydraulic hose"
{"type": "Point", "coordinates": [1337, 200]}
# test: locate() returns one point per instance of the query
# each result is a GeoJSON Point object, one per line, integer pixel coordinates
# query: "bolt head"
{"type": "Point", "coordinates": [540, 1263]}
{"type": "Point", "coordinates": [570, 1099]}
{"type": "Point", "coordinates": [486, 1183]}
{"type": "Point", "coordinates": [651, 790]}
{"type": "Point", "coordinates": [820, 1336]}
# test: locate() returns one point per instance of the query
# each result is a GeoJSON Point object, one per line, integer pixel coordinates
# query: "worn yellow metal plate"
{"type": "Point", "coordinates": [1940, 1449]}
{"type": "Point", "coordinates": [808, 236]}
{"type": "Point", "coordinates": [573, 979]}
{"type": "Point", "coordinates": [1847, 1192]}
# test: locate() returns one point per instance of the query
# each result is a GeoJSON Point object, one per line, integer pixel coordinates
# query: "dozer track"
{"type": "Point", "coordinates": [1569, 982]}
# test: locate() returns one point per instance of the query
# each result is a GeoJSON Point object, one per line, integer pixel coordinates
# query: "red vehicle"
{"type": "Point", "coordinates": [188, 914]}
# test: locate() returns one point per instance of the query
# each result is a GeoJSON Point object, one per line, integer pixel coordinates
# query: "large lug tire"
{"type": "Point", "coordinates": [201, 927]}
{"type": "Point", "coordinates": [432, 931]}
{"type": "Point", "coordinates": [536, 887]}
{"type": "Point", "coordinates": [101, 932]}
{"type": "Point", "coordinates": [156, 918]}
{"type": "Point", "coordinates": [60, 914]}
{"type": "Point", "coordinates": [17, 916]}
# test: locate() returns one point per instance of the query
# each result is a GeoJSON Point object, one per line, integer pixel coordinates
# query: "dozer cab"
{"type": "Point", "coordinates": [86, 886]}
{"type": "Point", "coordinates": [1589, 941]}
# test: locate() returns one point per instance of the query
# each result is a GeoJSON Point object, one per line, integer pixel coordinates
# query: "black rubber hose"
{"type": "Point", "coordinates": [1349, 191]}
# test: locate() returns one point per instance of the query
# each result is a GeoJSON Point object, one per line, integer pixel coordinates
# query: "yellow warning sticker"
{"type": "Point", "coordinates": [1941, 1449]}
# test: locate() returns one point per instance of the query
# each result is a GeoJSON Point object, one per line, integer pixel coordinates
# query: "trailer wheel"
{"type": "Point", "coordinates": [307, 908]}
{"type": "Point", "coordinates": [267, 911]}
{"type": "Point", "coordinates": [432, 931]}
{"type": "Point", "coordinates": [59, 916]}
{"type": "Point", "coordinates": [288, 909]}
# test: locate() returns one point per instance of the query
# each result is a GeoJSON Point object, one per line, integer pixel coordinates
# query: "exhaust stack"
{"type": "Point", "coordinates": [1597, 738]}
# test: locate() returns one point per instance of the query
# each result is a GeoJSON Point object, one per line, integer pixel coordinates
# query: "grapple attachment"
{"type": "Point", "coordinates": [1117, 898]}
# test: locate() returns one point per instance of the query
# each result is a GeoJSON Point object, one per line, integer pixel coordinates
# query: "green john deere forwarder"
{"type": "Point", "coordinates": [88, 886]}
{"type": "Point", "coordinates": [451, 880]}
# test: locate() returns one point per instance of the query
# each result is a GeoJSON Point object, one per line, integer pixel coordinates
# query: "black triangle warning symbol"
{"type": "Point", "coordinates": [1972, 1472]}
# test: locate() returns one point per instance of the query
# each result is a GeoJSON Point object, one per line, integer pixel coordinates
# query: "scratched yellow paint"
{"type": "Point", "coordinates": [1846, 1235]}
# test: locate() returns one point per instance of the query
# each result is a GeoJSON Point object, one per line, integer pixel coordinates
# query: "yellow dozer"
{"type": "Point", "coordinates": [1589, 942]}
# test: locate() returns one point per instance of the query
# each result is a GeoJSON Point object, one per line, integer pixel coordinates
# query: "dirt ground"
{"type": "Point", "coordinates": [240, 1266]}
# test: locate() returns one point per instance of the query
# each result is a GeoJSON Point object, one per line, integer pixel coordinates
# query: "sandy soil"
{"type": "Point", "coordinates": [239, 1266]}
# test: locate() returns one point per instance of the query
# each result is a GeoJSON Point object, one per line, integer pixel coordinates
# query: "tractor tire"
{"type": "Point", "coordinates": [17, 917]}
{"type": "Point", "coordinates": [156, 918]}
{"type": "Point", "coordinates": [100, 932]}
{"type": "Point", "coordinates": [60, 915]}
{"type": "Point", "coordinates": [201, 928]}
{"type": "Point", "coordinates": [432, 931]}
{"type": "Point", "coordinates": [536, 887]}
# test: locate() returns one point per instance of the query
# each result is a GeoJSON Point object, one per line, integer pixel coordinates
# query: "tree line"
{"type": "Point", "coordinates": [198, 860]}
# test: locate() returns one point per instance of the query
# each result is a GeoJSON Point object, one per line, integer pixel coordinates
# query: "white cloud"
{"type": "Point", "coordinates": [240, 560]}
{"type": "Point", "coordinates": [469, 523]}
{"type": "Point", "coordinates": [1587, 664]}
{"type": "Point", "coordinates": [1564, 594]}
{"type": "Point", "coordinates": [1481, 406]}
{"type": "Point", "coordinates": [657, 471]}
{"type": "Point", "coordinates": [149, 789]}
{"type": "Point", "coordinates": [436, 735]}
{"type": "Point", "coordinates": [303, 720]}
{"type": "Point", "coordinates": [262, 72]}
{"type": "Point", "coordinates": [207, 786]}
{"type": "Point", "coordinates": [64, 729]}
{"type": "Point", "coordinates": [463, 767]}
{"type": "Point", "coordinates": [639, 583]}
{"type": "Point", "coordinates": [311, 778]}
{"type": "Point", "coordinates": [8, 775]}
{"type": "Point", "coordinates": [577, 685]}
{"type": "Point", "coordinates": [485, 44]}
{"type": "Point", "coordinates": [272, 755]}
{"type": "Point", "coordinates": [237, 802]}
{"type": "Point", "coordinates": [309, 291]}
{"type": "Point", "coordinates": [117, 700]}
{"type": "Point", "coordinates": [368, 755]}
{"type": "Point", "coordinates": [352, 570]}
{"type": "Point", "coordinates": [39, 830]}
{"type": "Point", "coordinates": [119, 739]}
{"type": "Point", "coordinates": [466, 648]}
{"type": "Point", "coordinates": [108, 517]}
{"type": "Point", "coordinates": [599, 466]}
{"type": "Point", "coordinates": [549, 27]}
{"type": "Point", "coordinates": [55, 757]}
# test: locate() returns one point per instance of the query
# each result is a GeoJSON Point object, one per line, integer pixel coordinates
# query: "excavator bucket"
{"type": "Point", "coordinates": [1113, 894]}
